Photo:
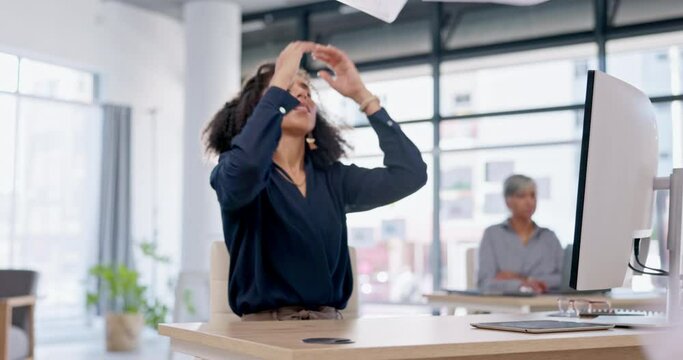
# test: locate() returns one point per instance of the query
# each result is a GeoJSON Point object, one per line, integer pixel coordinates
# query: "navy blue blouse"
{"type": "Point", "coordinates": [291, 250]}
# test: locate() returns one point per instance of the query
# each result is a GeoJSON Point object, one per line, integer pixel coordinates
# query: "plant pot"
{"type": "Point", "coordinates": [123, 331]}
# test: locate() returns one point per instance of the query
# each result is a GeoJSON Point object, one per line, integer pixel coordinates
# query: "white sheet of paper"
{"type": "Point", "coordinates": [386, 10]}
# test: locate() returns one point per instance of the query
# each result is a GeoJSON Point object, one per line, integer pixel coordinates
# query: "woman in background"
{"type": "Point", "coordinates": [284, 195]}
{"type": "Point", "coordinates": [518, 255]}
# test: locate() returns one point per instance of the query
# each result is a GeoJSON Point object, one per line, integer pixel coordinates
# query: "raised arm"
{"type": "Point", "coordinates": [404, 172]}
{"type": "Point", "coordinates": [243, 170]}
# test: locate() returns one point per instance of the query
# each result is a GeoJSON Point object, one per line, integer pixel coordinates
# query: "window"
{"type": "Point", "coordinates": [471, 195]}
{"type": "Point", "coordinates": [9, 72]}
{"type": "Point", "coordinates": [263, 40]}
{"type": "Point", "coordinates": [393, 242]}
{"type": "Point", "coordinates": [651, 63]}
{"type": "Point", "coordinates": [654, 64]}
{"type": "Point", "coordinates": [668, 115]}
{"type": "Point", "coordinates": [469, 25]}
{"type": "Point", "coordinates": [7, 154]}
{"type": "Point", "coordinates": [479, 153]}
{"type": "Point", "coordinates": [392, 245]}
{"type": "Point", "coordinates": [57, 191]}
{"type": "Point", "coordinates": [539, 92]}
{"type": "Point", "coordinates": [406, 93]}
{"type": "Point", "coordinates": [629, 12]}
{"type": "Point", "coordinates": [47, 80]}
{"type": "Point", "coordinates": [50, 142]}
{"type": "Point", "coordinates": [523, 80]}
{"type": "Point", "coordinates": [365, 143]}
{"type": "Point", "coordinates": [545, 127]}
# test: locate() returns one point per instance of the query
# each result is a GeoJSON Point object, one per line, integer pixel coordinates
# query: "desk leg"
{"type": "Point", "coordinates": [443, 310]}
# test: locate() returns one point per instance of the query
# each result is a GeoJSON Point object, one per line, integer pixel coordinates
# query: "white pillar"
{"type": "Point", "coordinates": [212, 76]}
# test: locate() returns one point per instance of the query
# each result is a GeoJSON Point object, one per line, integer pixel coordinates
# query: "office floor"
{"type": "Point", "coordinates": [150, 348]}
{"type": "Point", "coordinates": [83, 342]}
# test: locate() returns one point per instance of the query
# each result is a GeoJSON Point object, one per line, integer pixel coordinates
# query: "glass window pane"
{"type": "Point", "coordinates": [9, 70]}
{"type": "Point", "coordinates": [668, 118]}
{"type": "Point", "coordinates": [471, 196]}
{"type": "Point", "coordinates": [547, 127]}
{"type": "Point", "coordinates": [57, 194]}
{"type": "Point", "coordinates": [651, 63]}
{"type": "Point", "coordinates": [262, 42]}
{"type": "Point", "coordinates": [517, 81]}
{"type": "Point", "coordinates": [356, 32]}
{"type": "Point", "coordinates": [471, 184]}
{"type": "Point", "coordinates": [39, 78]}
{"type": "Point", "coordinates": [630, 12]}
{"type": "Point", "coordinates": [392, 245]}
{"type": "Point", "coordinates": [7, 136]}
{"type": "Point", "coordinates": [469, 25]}
{"type": "Point", "coordinates": [406, 93]}
{"type": "Point", "coordinates": [364, 140]}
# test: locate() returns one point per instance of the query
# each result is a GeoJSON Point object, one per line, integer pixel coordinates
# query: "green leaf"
{"type": "Point", "coordinates": [92, 299]}
{"type": "Point", "coordinates": [155, 313]}
{"type": "Point", "coordinates": [189, 302]}
{"type": "Point", "coordinates": [150, 250]}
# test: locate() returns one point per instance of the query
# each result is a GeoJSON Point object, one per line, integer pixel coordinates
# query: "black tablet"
{"type": "Point", "coordinates": [542, 326]}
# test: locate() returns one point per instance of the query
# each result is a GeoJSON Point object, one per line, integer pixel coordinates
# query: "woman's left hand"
{"type": "Point", "coordinates": [347, 80]}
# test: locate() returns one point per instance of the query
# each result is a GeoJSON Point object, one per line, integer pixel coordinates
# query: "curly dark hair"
{"type": "Point", "coordinates": [230, 120]}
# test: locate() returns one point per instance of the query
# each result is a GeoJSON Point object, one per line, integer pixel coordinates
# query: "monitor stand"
{"type": "Point", "coordinates": [673, 183]}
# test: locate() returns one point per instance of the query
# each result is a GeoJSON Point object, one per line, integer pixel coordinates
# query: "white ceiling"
{"type": "Point", "coordinates": [173, 8]}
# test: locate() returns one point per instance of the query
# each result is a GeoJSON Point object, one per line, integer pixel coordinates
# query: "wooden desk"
{"type": "Point", "coordinates": [426, 337]}
{"type": "Point", "coordinates": [525, 305]}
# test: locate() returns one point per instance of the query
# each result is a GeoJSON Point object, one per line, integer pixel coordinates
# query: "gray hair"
{"type": "Point", "coordinates": [516, 183]}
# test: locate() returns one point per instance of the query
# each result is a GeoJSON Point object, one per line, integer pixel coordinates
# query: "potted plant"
{"type": "Point", "coordinates": [128, 306]}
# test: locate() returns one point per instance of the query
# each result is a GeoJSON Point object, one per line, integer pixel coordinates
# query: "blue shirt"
{"type": "Point", "coordinates": [291, 250]}
{"type": "Point", "coordinates": [501, 249]}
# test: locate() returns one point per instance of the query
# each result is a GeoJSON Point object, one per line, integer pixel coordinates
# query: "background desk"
{"type": "Point", "coordinates": [525, 305]}
{"type": "Point", "coordinates": [427, 337]}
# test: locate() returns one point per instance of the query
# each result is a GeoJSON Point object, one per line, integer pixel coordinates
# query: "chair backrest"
{"type": "Point", "coordinates": [220, 263]}
{"type": "Point", "coordinates": [18, 283]}
{"type": "Point", "coordinates": [471, 266]}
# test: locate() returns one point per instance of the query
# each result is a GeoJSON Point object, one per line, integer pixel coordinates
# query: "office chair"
{"type": "Point", "coordinates": [220, 311]}
{"type": "Point", "coordinates": [17, 303]}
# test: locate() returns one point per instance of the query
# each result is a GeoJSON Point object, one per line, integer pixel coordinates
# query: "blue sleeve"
{"type": "Point", "coordinates": [403, 173]}
{"type": "Point", "coordinates": [488, 268]}
{"type": "Point", "coordinates": [242, 171]}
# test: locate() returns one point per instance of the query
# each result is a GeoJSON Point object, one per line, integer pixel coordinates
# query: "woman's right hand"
{"type": "Point", "coordinates": [288, 62]}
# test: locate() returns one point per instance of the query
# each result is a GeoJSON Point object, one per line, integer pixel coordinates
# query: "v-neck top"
{"type": "Point", "coordinates": [502, 249]}
{"type": "Point", "coordinates": [290, 250]}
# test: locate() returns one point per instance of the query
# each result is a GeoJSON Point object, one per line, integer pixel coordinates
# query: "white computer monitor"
{"type": "Point", "coordinates": [617, 171]}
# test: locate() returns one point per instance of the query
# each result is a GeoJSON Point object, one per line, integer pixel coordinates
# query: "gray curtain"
{"type": "Point", "coordinates": [114, 229]}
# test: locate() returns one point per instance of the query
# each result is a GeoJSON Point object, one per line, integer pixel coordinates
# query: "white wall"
{"type": "Point", "coordinates": [139, 58]}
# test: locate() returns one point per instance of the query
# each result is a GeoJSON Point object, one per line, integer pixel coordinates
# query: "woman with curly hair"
{"type": "Point", "coordinates": [284, 195]}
